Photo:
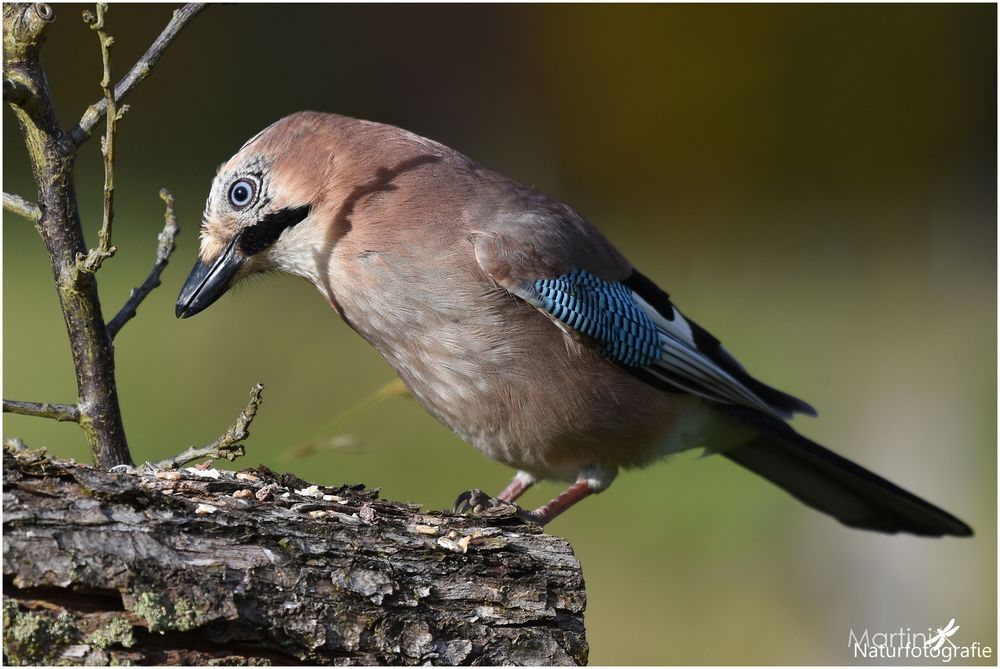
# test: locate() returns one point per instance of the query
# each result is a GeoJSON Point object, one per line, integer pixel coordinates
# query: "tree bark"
{"type": "Point", "coordinates": [206, 566]}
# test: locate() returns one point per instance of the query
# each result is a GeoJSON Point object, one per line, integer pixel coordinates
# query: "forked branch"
{"type": "Point", "coordinates": [164, 248]}
{"type": "Point", "coordinates": [82, 131]}
{"type": "Point", "coordinates": [52, 152]}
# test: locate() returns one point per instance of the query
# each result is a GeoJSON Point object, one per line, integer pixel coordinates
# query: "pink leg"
{"type": "Point", "coordinates": [566, 499]}
{"type": "Point", "coordinates": [520, 483]}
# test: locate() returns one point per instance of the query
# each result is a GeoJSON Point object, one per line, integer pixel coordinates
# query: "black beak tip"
{"type": "Point", "coordinates": [208, 282]}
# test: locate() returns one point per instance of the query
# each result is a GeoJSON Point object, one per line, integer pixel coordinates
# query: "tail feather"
{"type": "Point", "coordinates": [836, 486]}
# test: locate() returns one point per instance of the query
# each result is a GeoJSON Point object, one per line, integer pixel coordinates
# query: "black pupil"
{"type": "Point", "coordinates": [241, 194]}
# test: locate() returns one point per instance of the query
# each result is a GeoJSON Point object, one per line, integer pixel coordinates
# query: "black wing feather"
{"type": "Point", "coordinates": [712, 349]}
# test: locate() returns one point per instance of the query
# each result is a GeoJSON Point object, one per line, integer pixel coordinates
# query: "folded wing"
{"type": "Point", "coordinates": [632, 323]}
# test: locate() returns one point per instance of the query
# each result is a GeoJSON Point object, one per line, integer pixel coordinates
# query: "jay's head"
{"type": "Point", "coordinates": [257, 217]}
{"type": "Point", "coordinates": [290, 195]}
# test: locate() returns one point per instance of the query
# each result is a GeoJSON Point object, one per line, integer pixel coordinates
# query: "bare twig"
{"type": "Point", "coordinates": [82, 132]}
{"type": "Point", "coordinates": [227, 446]}
{"type": "Point", "coordinates": [164, 248]}
{"type": "Point", "coordinates": [60, 412]}
{"type": "Point", "coordinates": [95, 257]}
{"type": "Point", "coordinates": [18, 205]}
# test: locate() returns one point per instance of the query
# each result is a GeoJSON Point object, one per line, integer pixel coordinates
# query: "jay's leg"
{"type": "Point", "coordinates": [566, 499]}
{"type": "Point", "coordinates": [591, 480]}
{"type": "Point", "coordinates": [518, 485]}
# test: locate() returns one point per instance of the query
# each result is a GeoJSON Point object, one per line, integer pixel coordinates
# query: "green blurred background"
{"type": "Point", "coordinates": [815, 184]}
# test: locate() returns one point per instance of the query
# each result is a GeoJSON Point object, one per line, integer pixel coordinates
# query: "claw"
{"type": "Point", "coordinates": [462, 505]}
{"type": "Point", "coordinates": [475, 501]}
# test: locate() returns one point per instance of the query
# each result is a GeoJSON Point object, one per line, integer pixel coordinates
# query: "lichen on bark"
{"type": "Point", "coordinates": [208, 565]}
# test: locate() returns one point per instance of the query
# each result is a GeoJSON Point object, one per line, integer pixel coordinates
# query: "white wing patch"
{"type": "Point", "coordinates": [678, 327]}
{"type": "Point", "coordinates": [683, 365]}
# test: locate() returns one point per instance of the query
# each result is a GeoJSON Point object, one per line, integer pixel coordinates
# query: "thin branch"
{"type": "Point", "coordinates": [95, 257]}
{"type": "Point", "coordinates": [18, 205]}
{"type": "Point", "coordinates": [227, 446]}
{"type": "Point", "coordinates": [82, 131]}
{"type": "Point", "coordinates": [164, 248]}
{"type": "Point", "coordinates": [60, 412]}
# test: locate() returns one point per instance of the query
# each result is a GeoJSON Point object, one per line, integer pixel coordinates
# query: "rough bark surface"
{"type": "Point", "coordinates": [217, 567]}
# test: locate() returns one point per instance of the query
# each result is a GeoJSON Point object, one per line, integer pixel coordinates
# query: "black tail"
{"type": "Point", "coordinates": [836, 486]}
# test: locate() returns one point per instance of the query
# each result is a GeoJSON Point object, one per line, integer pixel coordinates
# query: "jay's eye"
{"type": "Point", "coordinates": [242, 192]}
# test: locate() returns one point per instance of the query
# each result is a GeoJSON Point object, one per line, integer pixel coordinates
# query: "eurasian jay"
{"type": "Point", "coordinates": [511, 319]}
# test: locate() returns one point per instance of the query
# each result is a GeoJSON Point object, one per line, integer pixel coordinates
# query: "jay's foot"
{"type": "Point", "coordinates": [475, 501]}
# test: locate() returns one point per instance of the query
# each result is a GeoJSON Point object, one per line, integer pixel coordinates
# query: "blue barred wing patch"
{"type": "Point", "coordinates": [604, 311]}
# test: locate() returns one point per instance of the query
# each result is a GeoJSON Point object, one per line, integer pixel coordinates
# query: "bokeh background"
{"type": "Point", "coordinates": [815, 184]}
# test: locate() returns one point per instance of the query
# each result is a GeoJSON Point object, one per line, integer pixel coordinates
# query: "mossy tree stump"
{"type": "Point", "coordinates": [203, 566]}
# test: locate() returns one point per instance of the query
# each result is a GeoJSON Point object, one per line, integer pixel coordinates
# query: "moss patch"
{"type": "Point", "coordinates": [181, 615]}
{"type": "Point", "coordinates": [118, 632]}
{"type": "Point", "coordinates": [36, 638]}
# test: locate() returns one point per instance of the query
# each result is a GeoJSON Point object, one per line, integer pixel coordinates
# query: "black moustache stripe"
{"type": "Point", "coordinates": [266, 231]}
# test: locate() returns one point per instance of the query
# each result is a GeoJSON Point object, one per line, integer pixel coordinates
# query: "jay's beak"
{"type": "Point", "coordinates": [209, 281]}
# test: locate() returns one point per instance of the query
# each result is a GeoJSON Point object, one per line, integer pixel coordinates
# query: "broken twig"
{"type": "Point", "coordinates": [22, 207]}
{"type": "Point", "coordinates": [60, 412]}
{"type": "Point", "coordinates": [227, 446]}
